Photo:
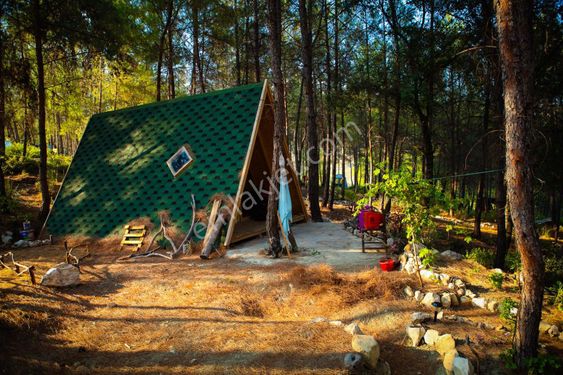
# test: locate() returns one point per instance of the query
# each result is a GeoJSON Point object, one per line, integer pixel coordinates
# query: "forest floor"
{"type": "Point", "coordinates": [227, 316]}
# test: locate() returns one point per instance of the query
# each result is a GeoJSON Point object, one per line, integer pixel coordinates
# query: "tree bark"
{"type": "Point", "coordinates": [275, 26]}
{"type": "Point", "coordinates": [2, 114]}
{"type": "Point", "coordinates": [170, 33]}
{"type": "Point", "coordinates": [38, 38]}
{"type": "Point", "coordinates": [257, 72]}
{"type": "Point", "coordinates": [337, 90]}
{"type": "Point", "coordinates": [237, 45]}
{"type": "Point", "coordinates": [514, 22]}
{"type": "Point", "coordinates": [313, 151]}
{"type": "Point", "coordinates": [329, 109]}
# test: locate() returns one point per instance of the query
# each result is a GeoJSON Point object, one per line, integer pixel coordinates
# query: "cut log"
{"type": "Point", "coordinates": [212, 237]}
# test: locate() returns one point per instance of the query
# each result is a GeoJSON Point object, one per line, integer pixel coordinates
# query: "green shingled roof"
{"type": "Point", "coordinates": [119, 171]}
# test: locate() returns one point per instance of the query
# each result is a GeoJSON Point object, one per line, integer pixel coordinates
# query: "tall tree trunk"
{"type": "Point", "coordinates": [2, 113]}
{"type": "Point", "coordinates": [257, 42]}
{"type": "Point", "coordinates": [38, 38]}
{"type": "Point", "coordinates": [500, 206]}
{"type": "Point", "coordinates": [396, 84]}
{"type": "Point", "coordinates": [296, 141]}
{"type": "Point", "coordinates": [170, 33]}
{"type": "Point", "coordinates": [313, 151]}
{"type": "Point", "coordinates": [237, 44]}
{"type": "Point", "coordinates": [514, 22]}
{"type": "Point", "coordinates": [336, 91]}
{"type": "Point", "coordinates": [275, 26]}
{"type": "Point", "coordinates": [343, 155]}
{"type": "Point", "coordinates": [484, 148]}
{"type": "Point", "coordinates": [161, 43]}
{"type": "Point", "coordinates": [197, 70]}
{"type": "Point", "coordinates": [329, 108]}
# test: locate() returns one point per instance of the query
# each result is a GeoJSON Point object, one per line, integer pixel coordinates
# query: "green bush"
{"type": "Point", "coordinates": [553, 268]}
{"type": "Point", "coordinates": [496, 279]}
{"type": "Point", "coordinates": [513, 262]}
{"type": "Point", "coordinates": [16, 163]}
{"type": "Point", "coordinates": [505, 311]}
{"type": "Point", "coordinates": [540, 365]}
{"type": "Point", "coordinates": [556, 295]}
{"type": "Point", "coordinates": [484, 257]}
{"type": "Point", "coordinates": [427, 257]}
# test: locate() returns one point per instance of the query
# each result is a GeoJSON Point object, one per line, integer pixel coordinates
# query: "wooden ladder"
{"type": "Point", "coordinates": [133, 237]}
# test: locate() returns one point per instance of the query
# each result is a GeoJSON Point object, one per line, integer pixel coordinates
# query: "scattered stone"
{"type": "Point", "coordinates": [440, 315]}
{"type": "Point", "coordinates": [446, 300]}
{"type": "Point", "coordinates": [497, 270]}
{"type": "Point", "coordinates": [368, 347]}
{"type": "Point", "coordinates": [408, 291]}
{"type": "Point", "coordinates": [462, 366]}
{"type": "Point", "coordinates": [460, 292]}
{"type": "Point", "coordinates": [451, 255]}
{"type": "Point", "coordinates": [415, 333]}
{"type": "Point", "coordinates": [336, 323]}
{"type": "Point", "coordinates": [492, 306]}
{"type": "Point", "coordinates": [479, 302]}
{"type": "Point", "coordinates": [318, 320]}
{"type": "Point", "coordinates": [455, 300]}
{"type": "Point", "coordinates": [353, 329]}
{"type": "Point", "coordinates": [445, 279]}
{"type": "Point", "coordinates": [451, 286]}
{"type": "Point", "coordinates": [444, 344]}
{"type": "Point", "coordinates": [451, 317]}
{"type": "Point", "coordinates": [470, 294]}
{"type": "Point", "coordinates": [553, 331]}
{"type": "Point", "coordinates": [449, 358]}
{"type": "Point", "coordinates": [430, 298]}
{"type": "Point", "coordinates": [418, 246]}
{"type": "Point", "coordinates": [514, 311]}
{"type": "Point", "coordinates": [544, 326]}
{"type": "Point", "coordinates": [418, 296]}
{"type": "Point", "coordinates": [383, 368]}
{"type": "Point", "coordinates": [459, 283]}
{"type": "Point", "coordinates": [419, 317]}
{"type": "Point", "coordinates": [464, 300]}
{"type": "Point", "coordinates": [430, 336]}
{"type": "Point", "coordinates": [354, 363]}
{"type": "Point", "coordinates": [62, 274]}
{"type": "Point", "coordinates": [428, 275]}
{"type": "Point", "coordinates": [56, 366]}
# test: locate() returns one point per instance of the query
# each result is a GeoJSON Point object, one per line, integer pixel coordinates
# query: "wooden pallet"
{"type": "Point", "coordinates": [133, 237]}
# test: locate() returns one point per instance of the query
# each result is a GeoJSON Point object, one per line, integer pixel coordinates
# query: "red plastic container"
{"type": "Point", "coordinates": [371, 220]}
{"type": "Point", "coordinates": [387, 265]}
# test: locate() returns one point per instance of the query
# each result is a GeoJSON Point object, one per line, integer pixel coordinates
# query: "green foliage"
{"type": "Point", "coordinates": [556, 295]}
{"type": "Point", "coordinates": [553, 267]}
{"type": "Point", "coordinates": [496, 279]}
{"type": "Point", "coordinates": [16, 163]}
{"type": "Point", "coordinates": [482, 256]}
{"type": "Point", "coordinates": [418, 198]}
{"type": "Point", "coordinates": [427, 257]}
{"type": "Point", "coordinates": [512, 261]}
{"type": "Point", "coordinates": [508, 358]}
{"type": "Point", "coordinates": [540, 365]}
{"type": "Point", "coordinates": [505, 311]}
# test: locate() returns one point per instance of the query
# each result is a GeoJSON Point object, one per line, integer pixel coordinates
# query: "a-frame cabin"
{"type": "Point", "coordinates": [129, 164]}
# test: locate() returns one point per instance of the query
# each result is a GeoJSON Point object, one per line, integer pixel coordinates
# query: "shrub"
{"type": "Point", "coordinates": [428, 257]}
{"type": "Point", "coordinates": [513, 262]}
{"type": "Point", "coordinates": [16, 163]}
{"type": "Point", "coordinates": [505, 311]}
{"type": "Point", "coordinates": [483, 256]}
{"type": "Point", "coordinates": [556, 297]}
{"type": "Point", "coordinates": [496, 279]}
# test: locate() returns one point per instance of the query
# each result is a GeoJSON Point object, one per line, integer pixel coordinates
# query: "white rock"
{"type": "Point", "coordinates": [440, 315]}
{"type": "Point", "coordinates": [451, 286]}
{"type": "Point", "coordinates": [318, 320]}
{"type": "Point", "coordinates": [430, 336]}
{"type": "Point", "coordinates": [428, 275]}
{"type": "Point", "coordinates": [479, 302]}
{"type": "Point", "coordinates": [446, 300]}
{"type": "Point", "coordinates": [408, 291]}
{"type": "Point", "coordinates": [464, 300]}
{"type": "Point", "coordinates": [429, 298]}
{"type": "Point", "coordinates": [415, 333]}
{"type": "Point", "coordinates": [62, 274]}
{"type": "Point", "coordinates": [336, 323]}
{"type": "Point", "coordinates": [492, 306]}
{"type": "Point", "coordinates": [553, 331]}
{"type": "Point", "coordinates": [459, 283]}
{"type": "Point", "coordinates": [444, 279]}
{"type": "Point", "coordinates": [368, 347]}
{"type": "Point", "coordinates": [470, 293]}
{"type": "Point", "coordinates": [7, 237]}
{"type": "Point", "coordinates": [419, 317]}
{"type": "Point", "coordinates": [497, 270]}
{"type": "Point", "coordinates": [460, 292]}
{"type": "Point", "coordinates": [353, 329]}
{"type": "Point", "coordinates": [418, 296]}
{"type": "Point", "coordinates": [462, 366]}
{"type": "Point", "coordinates": [444, 344]}
{"type": "Point", "coordinates": [451, 255]}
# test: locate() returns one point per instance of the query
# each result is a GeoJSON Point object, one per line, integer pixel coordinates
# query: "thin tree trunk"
{"type": "Point", "coordinates": [170, 33]}
{"type": "Point", "coordinates": [514, 22]}
{"type": "Point", "coordinates": [237, 45]}
{"type": "Point", "coordinates": [313, 151]}
{"type": "Point", "coordinates": [2, 114]}
{"type": "Point", "coordinates": [343, 155]}
{"type": "Point", "coordinates": [296, 149]}
{"type": "Point", "coordinates": [256, 42]}
{"type": "Point", "coordinates": [38, 38]}
{"type": "Point", "coordinates": [159, 65]}
{"type": "Point", "coordinates": [337, 87]}
{"type": "Point", "coordinates": [275, 26]}
{"type": "Point", "coordinates": [329, 109]}
{"type": "Point", "coordinates": [502, 247]}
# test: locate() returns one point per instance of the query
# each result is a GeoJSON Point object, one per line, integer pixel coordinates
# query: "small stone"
{"type": "Point", "coordinates": [469, 293]}
{"type": "Point", "coordinates": [462, 366]}
{"type": "Point", "coordinates": [353, 329]}
{"type": "Point", "coordinates": [408, 291]}
{"type": "Point", "coordinates": [354, 363]}
{"type": "Point", "coordinates": [430, 298]}
{"type": "Point", "coordinates": [440, 315]}
{"type": "Point", "coordinates": [459, 283]}
{"type": "Point", "coordinates": [449, 360]}
{"type": "Point", "coordinates": [318, 320]}
{"type": "Point", "coordinates": [455, 300]}
{"type": "Point", "coordinates": [544, 326]}
{"type": "Point", "coordinates": [444, 344]}
{"type": "Point", "coordinates": [111, 305]}
{"type": "Point", "coordinates": [479, 302]}
{"type": "Point", "coordinates": [428, 275]}
{"type": "Point", "coordinates": [553, 331]}
{"type": "Point", "coordinates": [460, 292]}
{"type": "Point", "coordinates": [418, 296]}
{"type": "Point", "coordinates": [446, 300]}
{"type": "Point", "coordinates": [492, 306]}
{"type": "Point", "coordinates": [464, 300]}
{"type": "Point", "coordinates": [368, 347]}
{"type": "Point", "coordinates": [444, 279]}
{"type": "Point", "coordinates": [336, 323]}
{"type": "Point", "coordinates": [415, 333]}
{"type": "Point", "coordinates": [451, 286]}
{"type": "Point", "coordinates": [430, 336]}
{"type": "Point", "coordinates": [56, 366]}
{"type": "Point", "coordinates": [451, 255]}
{"type": "Point", "coordinates": [419, 317]}
{"type": "Point", "coordinates": [193, 360]}
{"type": "Point", "coordinates": [497, 270]}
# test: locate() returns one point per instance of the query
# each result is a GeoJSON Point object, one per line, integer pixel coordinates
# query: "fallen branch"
{"type": "Point", "coordinates": [71, 258]}
{"type": "Point", "coordinates": [16, 269]}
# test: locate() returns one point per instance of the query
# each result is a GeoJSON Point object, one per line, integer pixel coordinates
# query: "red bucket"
{"type": "Point", "coordinates": [387, 265]}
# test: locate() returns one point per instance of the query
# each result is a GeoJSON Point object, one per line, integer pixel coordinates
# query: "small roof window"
{"type": "Point", "coordinates": [181, 160]}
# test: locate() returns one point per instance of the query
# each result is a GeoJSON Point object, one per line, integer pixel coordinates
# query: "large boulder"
{"type": "Point", "coordinates": [444, 344]}
{"type": "Point", "coordinates": [368, 347]}
{"type": "Point", "coordinates": [415, 333]}
{"type": "Point", "coordinates": [62, 274]}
